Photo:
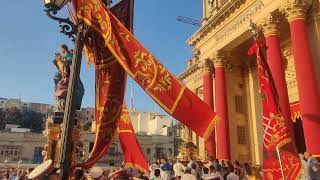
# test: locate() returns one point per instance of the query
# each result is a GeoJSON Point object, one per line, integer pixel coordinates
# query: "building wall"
{"type": "Point", "coordinates": [17, 103]}
{"type": "Point", "coordinates": [225, 29]}
{"type": "Point", "coordinates": [150, 144]}
{"type": "Point", "coordinates": [22, 145]}
{"type": "Point", "coordinates": [27, 146]}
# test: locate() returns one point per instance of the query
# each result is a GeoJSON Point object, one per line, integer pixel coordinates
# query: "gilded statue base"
{"type": "Point", "coordinates": [188, 151]}
{"type": "Point", "coordinates": [53, 133]}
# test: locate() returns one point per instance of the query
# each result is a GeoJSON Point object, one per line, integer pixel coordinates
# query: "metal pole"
{"type": "Point", "coordinates": [70, 107]}
{"type": "Point", "coordinates": [278, 152]}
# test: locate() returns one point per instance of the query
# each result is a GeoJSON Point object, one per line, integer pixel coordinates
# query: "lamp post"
{"type": "Point", "coordinates": [77, 33]}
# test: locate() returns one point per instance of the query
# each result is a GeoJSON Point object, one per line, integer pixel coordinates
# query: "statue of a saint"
{"type": "Point", "coordinates": [63, 61]}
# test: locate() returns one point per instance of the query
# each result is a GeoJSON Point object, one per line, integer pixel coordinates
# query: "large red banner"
{"type": "Point", "coordinates": [151, 75]}
{"type": "Point", "coordinates": [280, 160]}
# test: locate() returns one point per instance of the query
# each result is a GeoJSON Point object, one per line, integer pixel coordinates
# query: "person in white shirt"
{"type": "Point", "coordinates": [187, 175]}
{"type": "Point", "coordinates": [178, 168]}
{"type": "Point", "coordinates": [190, 164]}
{"type": "Point", "coordinates": [214, 172]}
{"type": "Point", "coordinates": [232, 175]}
{"type": "Point", "coordinates": [153, 167]}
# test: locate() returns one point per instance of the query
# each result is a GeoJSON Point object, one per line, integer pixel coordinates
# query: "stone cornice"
{"type": "Point", "coordinates": [213, 21]}
{"type": "Point", "coordinates": [189, 71]}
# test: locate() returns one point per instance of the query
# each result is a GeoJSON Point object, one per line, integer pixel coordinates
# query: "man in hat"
{"type": "Point", "coordinates": [44, 171]}
{"type": "Point", "coordinates": [119, 175]}
{"type": "Point", "coordinates": [210, 177]}
{"type": "Point", "coordinates": [95, 173]}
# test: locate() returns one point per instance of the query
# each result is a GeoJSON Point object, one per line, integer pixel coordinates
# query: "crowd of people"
{"type": "Point", "coordinates": [214, 169]}
{"type": "Point", "coordinates": [310, 167]}
{"type": "Point", "coordinates": [168, 169]}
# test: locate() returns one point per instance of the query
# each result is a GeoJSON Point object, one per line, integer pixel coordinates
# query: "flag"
{"type": "Point", "coordinates": [148, 72]}
{"type": "Point", "coordinates": [110, 87]}
{"type": "Point", "coordinates": [279, 156]}
{"type": "Point", "coordinates": [110, 83]}
{"type": "Point", "coordinates": [133, 155]}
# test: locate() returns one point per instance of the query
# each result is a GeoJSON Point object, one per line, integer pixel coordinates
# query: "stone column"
{"type": "Point", "coordinates": [207, 67]}
{"type": "Point", "coordinates": [275, 62]}
{"type": "Point", "coordinates": [309, 95]}
{"type": "Point", "coordinates": [222, 127]}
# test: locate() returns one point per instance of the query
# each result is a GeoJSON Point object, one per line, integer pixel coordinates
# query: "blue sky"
{"type": "Point", "coordinates": [29, 40]}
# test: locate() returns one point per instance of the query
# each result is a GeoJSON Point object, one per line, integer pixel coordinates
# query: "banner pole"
{"type": "Point", "coordinates": [278, 152]}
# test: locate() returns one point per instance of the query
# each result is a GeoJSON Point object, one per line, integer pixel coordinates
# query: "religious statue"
{"type": "Point", "coordinates": [187, 150]}
{"type": "Point", "coordinates": [63, 61]}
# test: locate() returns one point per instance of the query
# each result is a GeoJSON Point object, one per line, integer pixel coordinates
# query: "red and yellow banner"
{"type": "Point", "coordinates": [111, 113]}
{"type": "Point", "coordinates": [151, 75]}
{"type": "Point", "coordinates": [133, 155]}
{"type": "Point", "coordinates": [110, 89]}
{"type": "Point", "coordinates": [279, 156]}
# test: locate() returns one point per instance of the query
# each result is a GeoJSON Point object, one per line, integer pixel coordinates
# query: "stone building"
{"type": "Point", "coordinates": [28, 147]}
{"type": "Point", "coordinates": [19, 104]}
{"type": "Point", "coordinates": [221, 73]}
{"type": "Point", "coordinates": [22, 146]}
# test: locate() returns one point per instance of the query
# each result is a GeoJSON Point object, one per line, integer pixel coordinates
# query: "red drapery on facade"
{"type": "Point", "coordinates": [279, 156]}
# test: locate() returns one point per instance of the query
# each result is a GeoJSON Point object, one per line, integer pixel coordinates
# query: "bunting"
{"type": "Point", "coordinates": [280, 160]}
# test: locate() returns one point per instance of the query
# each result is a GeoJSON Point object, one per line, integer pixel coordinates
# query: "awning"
{"type": "Point", "coordinates": [295, 111]}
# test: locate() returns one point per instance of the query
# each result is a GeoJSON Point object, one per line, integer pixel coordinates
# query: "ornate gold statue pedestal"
{"type": "Point", "coordinates": [53, 133]}
{"type": "Point", "coordinates": [188, 151]}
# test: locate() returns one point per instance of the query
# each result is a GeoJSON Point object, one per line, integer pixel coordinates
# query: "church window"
{"type": "Point", "coordinates": [12, 151]}
{"type": "Point", "coordinates": [241, 132]}
{"type": "Point", "coordinates": [239, 104]}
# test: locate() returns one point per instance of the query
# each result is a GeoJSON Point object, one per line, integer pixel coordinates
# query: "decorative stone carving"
{"type": "Point", "coordinates": [222, 14]}
{"type": "Point", "coordinates": [220, 59]}
{"type": "Point", "coordinates": [206, 66]}
{"type": "Point", "coordinates": [290, 69]}
{"type": "Point", "coordinates": [270, 24]}
{"type": "Point", "coordinates": [295, 9]}
{"type": "Point", "coordinates": [244, 17]}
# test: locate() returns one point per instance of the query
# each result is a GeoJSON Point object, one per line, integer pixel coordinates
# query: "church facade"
{"type": "Point", "coordinates": [221, 73]}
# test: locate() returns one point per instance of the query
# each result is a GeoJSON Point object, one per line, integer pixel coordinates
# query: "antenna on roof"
{"type": "Point", "coordinates": [188, 21]}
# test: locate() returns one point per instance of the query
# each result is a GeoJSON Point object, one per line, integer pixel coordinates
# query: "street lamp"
{"type": "Point", "coordinates": [77, 33]}
{"type": "Point", "coordinates": [56, 4]}
{"type": "Point", "coordinates": [67, 26]}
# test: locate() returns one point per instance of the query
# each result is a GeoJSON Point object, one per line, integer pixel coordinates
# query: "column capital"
{"type": "Point", "coordinates": [206, 66]}
{"type": "Point", "coordinates": [270, 25]}
{"type": "Point", "coordinates": [220, 58]}
{"type": "Point", "coordinates": [295, 9]}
